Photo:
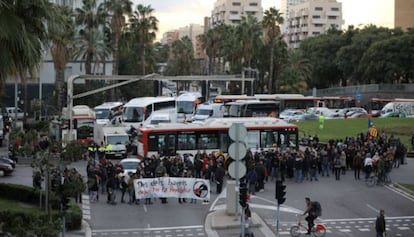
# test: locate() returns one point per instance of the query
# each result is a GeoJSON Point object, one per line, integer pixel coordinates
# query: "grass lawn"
{"type": "Point", "coordinates": [402, 128]}
{"type": "Point", "coordinates": [409, 187]}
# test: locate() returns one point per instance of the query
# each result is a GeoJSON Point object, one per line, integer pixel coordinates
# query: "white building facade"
{"type": "Point", "coordinates": [311, 18]}
{"type": "Point", "coordinates": [230, 12]}
{"type": "Point", "coordinates": [285, 10]}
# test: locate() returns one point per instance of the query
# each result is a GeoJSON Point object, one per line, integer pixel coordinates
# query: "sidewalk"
{"type": "Point", "coordinates": [85, 231]}
{"type": "Point", "coordinates": [219, 223]}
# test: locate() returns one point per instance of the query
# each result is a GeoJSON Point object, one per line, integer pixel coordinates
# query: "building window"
{"type": "Point", "coordinates": [315, 33]}
{"type": "Point", "coordinates": [335, 9]}
{"type": "Point", "coordinates": [253, 4]}
{"type": "Point", "coordinates": [236, 3]}
{"type": "Point", "coordinates": [318, 9]}
{"type": "Point", "coordinates": [318, 25]}
{"type": "Point", "coordinates": [332, 17]}
{"type": "Point", "coordinates": [316, 17]}
{"type": "Point", "coordinates": [234, 12]}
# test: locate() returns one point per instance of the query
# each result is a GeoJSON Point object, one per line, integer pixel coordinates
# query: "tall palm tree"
{"type": "Point", "coordinates": [295, 73]}
{"type": "Point", "coordinates": [210, 44]}
{"type": "Point", "coordinates": [118, 10]}
{"type": "Point", "coordinates": [183, 56]}
{"type": "Point", "coordinates": [144, 25]}
{"type": "Point", "coordinates": [271, 22]}
{"type": "Point", "coordinates": [91, 45]}
{"type": "Point", "coordinates": [249, 31]}
{"type": "Point", "coordinates": [61, 35]}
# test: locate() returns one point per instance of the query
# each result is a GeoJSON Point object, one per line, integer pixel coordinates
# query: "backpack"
{"type": "Point", "coordinates": [316, 209]}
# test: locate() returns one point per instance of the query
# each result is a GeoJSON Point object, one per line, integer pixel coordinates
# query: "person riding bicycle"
{"type": "Point", "coordinates": [311, 214]}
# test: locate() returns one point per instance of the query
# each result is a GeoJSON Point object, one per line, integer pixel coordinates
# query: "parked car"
{"type": "Point", "coordinates": [290, 114]}
{"type": "Point", "coordinates": [348, 112]}
{"type": "Point", "coordinates": [5, 168]}
{"type": "Point", "coordinates": [11, 112]}
{"type": "Point", "coordinates": [8, 161]}
{"type": "Point", "coordinates": [394, 115]}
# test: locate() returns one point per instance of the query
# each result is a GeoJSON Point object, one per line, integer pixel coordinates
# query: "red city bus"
{"type": "Point", "coordinates": [212, 136]}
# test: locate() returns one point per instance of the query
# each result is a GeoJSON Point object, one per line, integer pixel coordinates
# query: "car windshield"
{"type": "Point", "coordinates": [204, 111]}
{"type": "Point", "coordinates": [133, 114]}
{"type": "Point", "coordinates": [121, 139]}
{"type": "Point", "coordinates": [102, 114]}
{"type": "Point", "coordinates": [130, 165]}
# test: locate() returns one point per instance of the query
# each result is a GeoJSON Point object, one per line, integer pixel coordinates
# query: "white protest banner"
{"type": "Point", "coordinates": [165, 187]}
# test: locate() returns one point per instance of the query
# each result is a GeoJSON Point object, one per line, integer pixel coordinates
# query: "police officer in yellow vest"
{"type": "Point", "coordinates": [92, 150]}
{"type": "Point", "coordinates": [108, 148]}
{"type": "Point", "coordinates": [101, 150]}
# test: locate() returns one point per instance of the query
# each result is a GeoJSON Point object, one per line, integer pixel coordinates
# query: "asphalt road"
{"type": "Point", "coordinates": [349, 208]}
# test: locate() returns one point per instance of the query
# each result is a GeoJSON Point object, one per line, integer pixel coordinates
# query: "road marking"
{"type": "Point", "coordinates": [403, 228]}
{"type": "Point", "coordinates": [401, 192]}
{"type": "Point", "coordinates": [373, 208]}
{"type": "Point", "coordinates": [364, 229]}
{"type": "Point", "coordinates": [176, 228]}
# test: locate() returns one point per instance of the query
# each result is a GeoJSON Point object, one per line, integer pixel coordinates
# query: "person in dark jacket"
{"type": "Point", "coordinates": [219, 177]}
{"type": "Point", "coordinates": [260, 171]}
{"type": "Point", "coordinates": [380, 226]}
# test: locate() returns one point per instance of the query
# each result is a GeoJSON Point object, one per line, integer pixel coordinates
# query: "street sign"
{"type": "Point", "coordinates": [237, 150]}
{"type": "Point", "coordinates": [237, 131]}
{"type": "Point", "coordinates": [233, 170]}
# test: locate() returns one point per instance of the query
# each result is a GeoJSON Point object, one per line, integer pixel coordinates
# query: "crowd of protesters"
{"type": "Point", "coordinates": [361, 155]}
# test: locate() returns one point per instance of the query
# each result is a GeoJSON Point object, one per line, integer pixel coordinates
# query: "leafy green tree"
{"type": "Point", "coordinates": [210, 43]}
{"type": "Point", "coordinates": [183, 57]}
{"type": "Point", "coordinates": [389, 61]}
{"type": "Point", "coordinates": [357, 43]}
{"type": "Point", "coordinates": [271, 23]}
{"type": "Point", "coordinates": [321, 52]}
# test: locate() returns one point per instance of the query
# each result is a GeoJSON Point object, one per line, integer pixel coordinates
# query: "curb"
{"type": "Point", "coordinates": [87, 228]}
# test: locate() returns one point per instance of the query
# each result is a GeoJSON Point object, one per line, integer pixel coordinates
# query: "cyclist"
{"type": "Point", "coordinates": [311, 215]}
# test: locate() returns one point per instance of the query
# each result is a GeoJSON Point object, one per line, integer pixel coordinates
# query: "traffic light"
{"type": "Point", "coordinates": [280, 192]}
{"type": "Point", "coordinates": [243, 194]}
{"type": "Point", "coordinates": [65, 203]}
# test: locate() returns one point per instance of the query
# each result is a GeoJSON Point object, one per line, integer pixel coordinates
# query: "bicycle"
{"type": "Point", "coordinates": [318, 230]}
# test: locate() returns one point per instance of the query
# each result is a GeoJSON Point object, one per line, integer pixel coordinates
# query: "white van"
{"type": "Point", "coordinates": [407, 108]}
{"type": "Point", "coordinates": [205, 111]}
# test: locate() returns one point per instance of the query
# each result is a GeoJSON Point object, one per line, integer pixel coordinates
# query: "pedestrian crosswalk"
{"type": "Point", "coordinates": [395, 225]}
{"type": "Point", "coordinates": [181, 231]}
{"type": "Point", "coordinates": [86, 208]}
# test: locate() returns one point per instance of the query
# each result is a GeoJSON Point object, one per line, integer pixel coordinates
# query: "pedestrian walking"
{"type": "Point", "coordinates": [380, 226]}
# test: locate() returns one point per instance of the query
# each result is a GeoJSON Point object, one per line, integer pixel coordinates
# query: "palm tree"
{"type": "Point", "coordinates": [183, 56]}
{"type": "Point", "coordinates": [295, 73]}
{"type": "Point", "coordinates": [61, 35]}
{"type": "Point", "coordinates": [249, 32]}
{"type": "Point", "coordinates": [210, 44]}
{"type": "Point", "coordinates": [23, 37]}
{"type": "Point", "coordinates": [91, 47]}
{"type": "Point", "coordinates": [91, 43]}
{"type": "Point", "coordinates": [144, 25]}
{"type": "Point", "coordinates": [271, 22]}
{"type": "Point", "coordinates": [118, 8]}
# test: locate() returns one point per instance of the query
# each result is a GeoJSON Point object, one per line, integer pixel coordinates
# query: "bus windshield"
{"type": "Point", "coordinates": [102, 113]}
{"type": "Point", "coordinates": [121, 139]}
{"type": "Point", "coordinates": [133, 114]}
{"type": "Point", "coordinates": [186, 107]}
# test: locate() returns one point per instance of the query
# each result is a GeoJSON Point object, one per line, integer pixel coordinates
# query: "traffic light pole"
{"type": "Point", "coordinates": [243, 222]}
{"type": "Point", "coordinates": [277, 220]}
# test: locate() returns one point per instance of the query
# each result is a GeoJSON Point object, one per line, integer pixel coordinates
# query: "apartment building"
{"type": "Point", "coordinates": [192, 31]}
{"type": "Point", "coordinates": [285, 6]}
{"type": "Point", "coordinates": [404, 14]}
{"type": "Point", "coordinates": [230, 12]}
{"type": "Point", "coordinates": [312, 17]}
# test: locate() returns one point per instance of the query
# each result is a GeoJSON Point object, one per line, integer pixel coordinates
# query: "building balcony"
{"type": "Point", "coordinates": [333, 13]}
{"type": "Point", "coordinates": [234, 17]}
{"type": "Point", "coordinates": [251, 9]}
{"type": "Point", "coordinates": [319, 21]}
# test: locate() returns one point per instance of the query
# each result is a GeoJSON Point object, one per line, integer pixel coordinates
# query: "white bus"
{"type": "Point", "coordinates": [252, 108]}
{"type": "Point", "coordinates": [399, 109]}
{"type": "Point", "coordinates": [106, 111]}
{"type": "Point", "coordinates": [137, 112]}
{"type": "Point", "coordinates": [212, 136]}
{"type": "Point", "coordinates": [186, 105]}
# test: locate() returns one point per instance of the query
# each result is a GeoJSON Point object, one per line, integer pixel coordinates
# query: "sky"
{"type": "Point", "coordinates": [173, 14]}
